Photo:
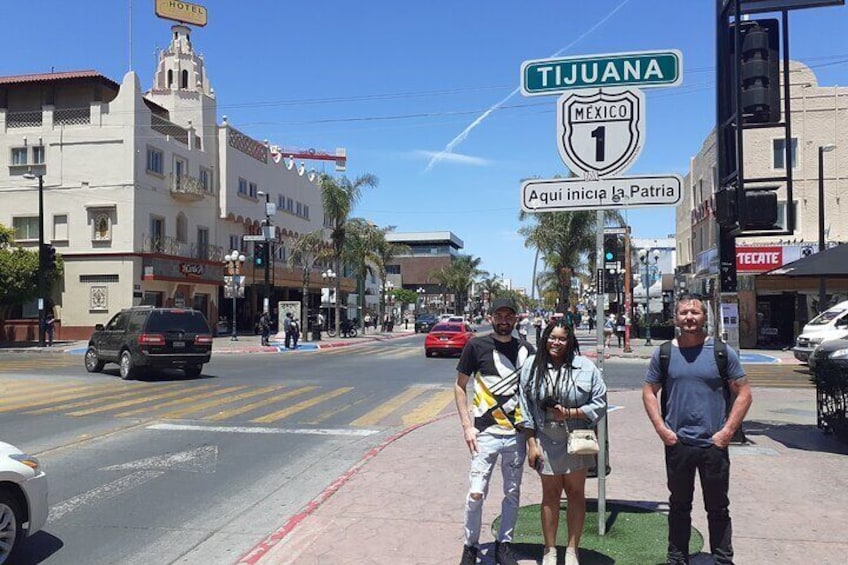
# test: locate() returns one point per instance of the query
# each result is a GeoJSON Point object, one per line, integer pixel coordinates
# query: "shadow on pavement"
{"type": "Point", "coordinates": [797, 436]}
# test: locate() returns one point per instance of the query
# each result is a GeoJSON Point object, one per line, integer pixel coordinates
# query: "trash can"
{"type": "Point", "coordinates": [316, 332]}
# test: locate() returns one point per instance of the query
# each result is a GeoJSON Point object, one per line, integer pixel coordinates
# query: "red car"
{"type": "Point", "coordinates": [447, 337]}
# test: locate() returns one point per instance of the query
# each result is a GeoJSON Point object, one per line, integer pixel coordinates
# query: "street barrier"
{"type": "Point", "coordinates": [831, 380]}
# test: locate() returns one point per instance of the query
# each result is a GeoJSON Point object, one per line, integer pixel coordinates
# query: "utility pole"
{"type": "Point", "coordinates": [267, 232]}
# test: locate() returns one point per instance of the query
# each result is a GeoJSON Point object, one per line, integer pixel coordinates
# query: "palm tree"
{"type": "Point", "coordinates": [457, 276]}
{"type": "Point", "coordinates": [339, 197]}
{"type": "Point", "coordinates": [386, 251]}
{"type": "Point", "coordinates": [304, 251]}
{"type": "Point", "coordinates": [564, 239]}
{"type": "Point", "coordinates": [492, 286]}
{"type": "Point", "coordinates": [359, 253]}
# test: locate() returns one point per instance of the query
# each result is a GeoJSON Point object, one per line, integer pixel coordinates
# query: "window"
{"type": "Point", "coordinates": [60, 227]}
{"type": "Point", "coordinates": [182, 228]}
{"type": "Point", "coordinates": [306, 211]}
{"type": "Point", "coordinates": [781, 213]}
{"type": "Point", "coordinates": [252, 189]}
{"type": "Point", "coordinates": [289, 204]}
{"type": "Point", "coordinates": [184, 79]}
{"type": "Point", "coordinates": [235, 242]}
{"type": "Point", "coordinates": [203, 243]}
{"type": "Point", "coordinates": [157, 234]}
{"type": "Point", "coordinates": [154, 161]}
{"type": "Point", "coordinates": [19, 155]}
{"type": "Point", "coordinates": [26, 228]}
{"type": "Point", "coordinates": [715, 178]}
{"type": "Point", "coordinates": [38, 155]}
{"type": "Point", "coordinates": [206, 179]}
{"type": "Point", "coordinates": [779, 147]}
{"type": "Point", "coordinates": [299, 211]}
{"type": "Point", "coordinates": [102, 225]}
{"type": "Point", "coordinates": [242, 186]}
{"type": "Point", "coordinates": [180, 167]}
{"type": "Point", "coordinates": [170, 78]}
{"type": "Point", "coordinates": [281, 202]}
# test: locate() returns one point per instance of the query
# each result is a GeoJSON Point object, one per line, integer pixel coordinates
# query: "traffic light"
{"type": "Point", "coordinates": [758, 210]}
{"type": "Point", "coordinates": [259, 253]}
{"type": "Point", "coordinates": [49, 257]}
{"type": "Point", "coordinates": [760, 71]}
{"type": "Point", "coordinates": [613, 250]}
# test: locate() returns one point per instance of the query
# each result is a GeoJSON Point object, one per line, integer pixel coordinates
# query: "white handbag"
{"type": "Point", "coordinates": [583, 442]}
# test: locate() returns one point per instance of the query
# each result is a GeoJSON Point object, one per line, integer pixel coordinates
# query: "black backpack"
{"type": "Point", "coordinates": [720, 350]}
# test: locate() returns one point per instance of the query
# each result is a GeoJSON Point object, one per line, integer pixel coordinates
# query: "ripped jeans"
{"type": "Point", "coordinates": [512, 450]}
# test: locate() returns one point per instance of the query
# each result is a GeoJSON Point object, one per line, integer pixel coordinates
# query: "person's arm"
{"type": "Point", "coordinates": [741, 390]}
{"type": "Point", "coordinates": [652, 408]}
{"type": "Point", "coordinates": [461, 396]}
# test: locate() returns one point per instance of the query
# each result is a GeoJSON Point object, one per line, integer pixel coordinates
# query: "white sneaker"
{"type": "Point", "coordinates": [550, 556]}
{"type": "Point", "coordinates": [571, 556]}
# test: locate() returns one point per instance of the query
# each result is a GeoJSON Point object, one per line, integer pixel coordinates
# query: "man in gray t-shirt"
{"type": "Point", "coordinates": [694, 429]}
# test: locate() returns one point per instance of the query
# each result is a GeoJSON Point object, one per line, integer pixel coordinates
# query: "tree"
{"type": "Point", "coordinates": [19, 274]}
{"type": "Point", "coordinates": [361, 241]}
{"type": "Point", "coordinates": [457, 276]}
{"type": "Point", "coordinates": [304, 251]}
{"type": "Point", "coordinates": [404, 297]}
{"type": "Point", "coordinates": [386, 251]}
{"type": "Point", "coordinates": [339, 197]}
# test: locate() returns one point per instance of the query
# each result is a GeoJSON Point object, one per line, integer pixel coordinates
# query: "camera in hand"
{"type": "Point", "coordinates": [550, 402]}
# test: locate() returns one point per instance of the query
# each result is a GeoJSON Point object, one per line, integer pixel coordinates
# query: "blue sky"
{"type": "Point", "coordinates": [395, 82]}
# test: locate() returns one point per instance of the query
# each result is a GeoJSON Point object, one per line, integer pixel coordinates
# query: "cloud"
{"type": "Point", "coordinates": [453, 158]}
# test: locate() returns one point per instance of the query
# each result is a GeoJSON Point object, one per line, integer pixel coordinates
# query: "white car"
{"type": "Point", "coordinates": [23, 499]}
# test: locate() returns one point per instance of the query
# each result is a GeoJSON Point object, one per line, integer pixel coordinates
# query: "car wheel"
{"type": "Point", "coordinates": [429, 353]}
{"type": "Point", "coordinates": [92, 363]}
{"type": "Point", "coordinates": [11, 526]}
{"type": "Point", "coordinates": [193, 371]}
{"type": "Point", "coordinates": [127, 367]}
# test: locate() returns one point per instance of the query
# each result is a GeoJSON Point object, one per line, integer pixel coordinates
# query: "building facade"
{"type": "Point", "coordinates": [427, 252]}
{"type": "Point", "coordinates": [145, 192]}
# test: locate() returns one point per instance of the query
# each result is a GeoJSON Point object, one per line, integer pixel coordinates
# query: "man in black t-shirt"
{"type": "Point", "coordinates": [494, 361]}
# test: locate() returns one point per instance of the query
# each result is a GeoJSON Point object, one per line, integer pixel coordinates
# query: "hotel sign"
{"type": "Point", "coordinates": [183, 12]}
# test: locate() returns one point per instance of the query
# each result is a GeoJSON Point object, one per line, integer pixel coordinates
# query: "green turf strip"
{"type": "Point", "coordinates": [635, 535]}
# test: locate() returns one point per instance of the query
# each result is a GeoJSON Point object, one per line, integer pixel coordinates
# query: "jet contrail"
{"type": "Point", "coordinates": [464, 134]}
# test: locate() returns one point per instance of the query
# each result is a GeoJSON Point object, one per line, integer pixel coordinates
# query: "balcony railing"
{"type": "Point", "coordinates": [171, 246]}
{"type": "Point", "coordinates": [24, 119]}
{"type": "Point", "coordinates": [72, 116]}
{"type": "Point", "coordinates": [186, 188]}
{"type": "Point", "coordinates": [165, 127]}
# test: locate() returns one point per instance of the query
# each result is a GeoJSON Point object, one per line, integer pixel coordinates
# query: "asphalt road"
{"type": "Point", "coordinates": [167, 469]}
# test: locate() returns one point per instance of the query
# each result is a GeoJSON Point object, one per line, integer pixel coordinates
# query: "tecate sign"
{"type": "Point", "coordinates": [758, 259]}
{"type": "Point", "coordinates": [556, 195]}
{"type": "Point", "coordinates": [643, 69]}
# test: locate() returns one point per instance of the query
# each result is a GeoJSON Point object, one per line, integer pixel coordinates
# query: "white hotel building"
{"type": "Point", "coordinates": [145, 192]}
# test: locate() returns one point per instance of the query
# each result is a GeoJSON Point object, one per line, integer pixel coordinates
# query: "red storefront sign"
{"type": "Point", "coordinates": [758, 259]}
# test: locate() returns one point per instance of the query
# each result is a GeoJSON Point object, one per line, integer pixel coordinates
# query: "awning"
{"type": "Point", "coordinates": [831, 262]}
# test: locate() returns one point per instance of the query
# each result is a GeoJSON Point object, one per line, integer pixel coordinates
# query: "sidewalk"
{"type": "Point", "coordinates": [403, 503]}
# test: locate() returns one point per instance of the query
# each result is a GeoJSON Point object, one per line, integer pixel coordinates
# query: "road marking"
{"type": "Point", "coordinates": [334, 411]}
{"type": "Point", "coordinates": [200, 460]}
{"type": "Point", "coordinates": [144, 398]}
{"type": "Point", "coordinates": [193, 396]}
{"type": "Point", "coordinates": [429, 409]}
{"type": "Point", "coordinates": [103, 492]}
{"type": "Point", "coordinates": [117, 395]}
{"type": "Point", "coordinates": [38, 398]}
{"type": "Point", "coordinates": [286, 412]}
{"type": "Point", "coordinates": [262, 430]}
{"type": "Point", "coordinates": [218, 401]}
{"type": "Point", "coordinates": [223, 415]}
{"type": "Point", "coordinates": [371, 418]}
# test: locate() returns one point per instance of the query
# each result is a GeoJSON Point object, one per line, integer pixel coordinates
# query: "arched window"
{"type": "Point", "coordinates": [170, 78]}
{"type": "Point", "coordinates": [182, 228]}
{"type": "Point", "coordinates": [184, 81]}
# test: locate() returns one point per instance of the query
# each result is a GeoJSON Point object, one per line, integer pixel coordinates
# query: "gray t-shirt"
{"type": "Point", "coordinates": [695, 393]}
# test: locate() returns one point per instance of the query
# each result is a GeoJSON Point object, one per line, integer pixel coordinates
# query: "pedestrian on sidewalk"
{"type": "Point", "coordinates": [265, 327]}
{"type": "Point", "coordinates": [609, 328]}
{"type": "Point", "coordinates": [620, 328]}
{"type": "Point", "coordinates": [287, 328]}
{"type": "Point", "coordinates": [495, 361]}
{"type": "Point", "coordinates": [537, 323]}
{"type": "Point", "coordinates": [694, 429]}
{"type": "Point", "coordinates": [49, 328]}
{"type": "Point", "coordinates": [559, 391]}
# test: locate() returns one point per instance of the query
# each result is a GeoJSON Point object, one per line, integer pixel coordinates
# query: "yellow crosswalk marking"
{"type": "Point", "coordinates": [143, 398]}
{"type": "Point", "coordinates": [286, 412]}
{"type": "Point", "coordinates": [429, 409]}
{"type": "Point", "coordinates": [99, 395]}
{"type": "Point", "coordinates": [334, 411]}
{"type": "Point", "coordinates": [189, 395]}
{"type": "Point", "coordinates": [371, 418]}
{"type": "Point", "coordinates": [225, 414]}
{"type": "Point", "coordinates": [219, 401]}
{"type": "Point", "coordinates": [31, 400]}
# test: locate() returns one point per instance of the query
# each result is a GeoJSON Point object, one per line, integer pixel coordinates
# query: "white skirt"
{"type": "Point", "coordinates": [553, 441]}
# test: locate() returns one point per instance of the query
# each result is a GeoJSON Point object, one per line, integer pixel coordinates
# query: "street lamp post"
{"type": "Point", "coordinates": [270, 209]}
{"type": "Point", "coordinates": [234, 261]}
{"type": "Point", "coordinates": [420, 290]}
{"type": "Point", "coordinates": [328, 277]}
{"type": "Point", "coordinates": [822, 281]}
{"type": "Point", "coordinates": [644, 258]}
{"type": "Point", "coordinates": [388, 286]}
{"type": "Point", "coordinates": [41, 257]}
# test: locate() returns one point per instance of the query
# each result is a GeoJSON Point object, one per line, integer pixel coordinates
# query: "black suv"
{"type": "Point", "coordinates": [425, 322]}
{"type": "Point", "coordinates": [151, 337]}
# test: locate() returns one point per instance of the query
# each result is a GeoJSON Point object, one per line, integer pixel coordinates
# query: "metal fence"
{"type": "Point", "coordinates": [831, 382]}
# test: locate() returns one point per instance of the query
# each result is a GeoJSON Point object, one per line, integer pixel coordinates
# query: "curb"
{"type": "Point", "coordinates": [253, 556]}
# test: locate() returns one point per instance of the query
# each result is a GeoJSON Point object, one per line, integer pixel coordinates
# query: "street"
{"type": "Point", "coordinates": [167, 469]}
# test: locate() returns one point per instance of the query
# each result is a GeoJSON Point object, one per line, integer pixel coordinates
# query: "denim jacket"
{"type": "Point", "coordinates": [588, 393]}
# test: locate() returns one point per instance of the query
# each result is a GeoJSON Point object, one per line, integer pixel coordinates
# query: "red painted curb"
{"type": "Point", "coordinates": [253, 556]}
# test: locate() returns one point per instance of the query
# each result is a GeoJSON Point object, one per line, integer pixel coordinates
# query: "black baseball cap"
{"type": "Point", "coordinates": [499, 303]}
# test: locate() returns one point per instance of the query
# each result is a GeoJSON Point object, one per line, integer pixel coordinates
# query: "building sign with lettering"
{"type": "Point", "coordinates": [183, 12]}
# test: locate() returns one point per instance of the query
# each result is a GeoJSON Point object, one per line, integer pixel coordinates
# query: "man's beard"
{"type": "Point", "coordinates": [502, 329]}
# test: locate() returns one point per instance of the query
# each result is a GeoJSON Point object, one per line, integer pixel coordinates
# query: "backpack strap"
{"type": "Point", "coordinates": [665, 360]}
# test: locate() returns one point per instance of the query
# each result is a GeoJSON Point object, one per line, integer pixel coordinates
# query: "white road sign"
{"type": "Point", "coordinates": [556, 195]}
{"type": "Point", "coordinates": [600, 132]}
{"type": "Point", "coordinates": [259, 237]}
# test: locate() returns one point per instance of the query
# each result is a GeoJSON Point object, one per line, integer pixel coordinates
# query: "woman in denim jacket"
{"type": "Point", "coordinates": [559, 391]}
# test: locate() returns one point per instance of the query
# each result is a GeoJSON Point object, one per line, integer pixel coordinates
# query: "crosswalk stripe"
{"type": "Point", "coordinates": [47, 397]}
{"type": "Point", "coordinates": [371, 418]}
{"type": "Point", "coordinates": [143, 398]}
{"type": "Point", "coordinates": [430, 408]}
{"type": "Point", "coordinates": [219, 401]}
{"type": "Point", "coordinates": [334, 411]}
{"type": "Point", "coordinates": [188, 395]}
{"type": "Point", "coordinates": [98, 395]}
{"type": "Point", "coordinates": [224, 414]}
{"type": "Point", "coordinates": [286, 412]}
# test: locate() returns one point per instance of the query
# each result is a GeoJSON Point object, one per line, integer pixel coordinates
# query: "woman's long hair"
{"type": "Point", "coordinates": [535, 385]}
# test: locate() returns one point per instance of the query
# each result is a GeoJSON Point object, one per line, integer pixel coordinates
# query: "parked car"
{"type": "Point", "coordinates": [456, 319]}
{"type": "Point", "coordinates": [425, 322]}
{"type": "Point", "coordinates": [830, 324]}
{"type": "Point", "coordinates": [447, 337]}
{"type": "Point", "coordinates": [834, 350]}
{"type": "Point", "coordinates": [143, 336]}
{"type": "Point", "coordinates": [23, 499]}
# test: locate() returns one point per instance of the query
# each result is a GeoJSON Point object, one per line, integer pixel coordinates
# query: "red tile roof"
{"type": "Point", "coordinates": [45, 77]}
